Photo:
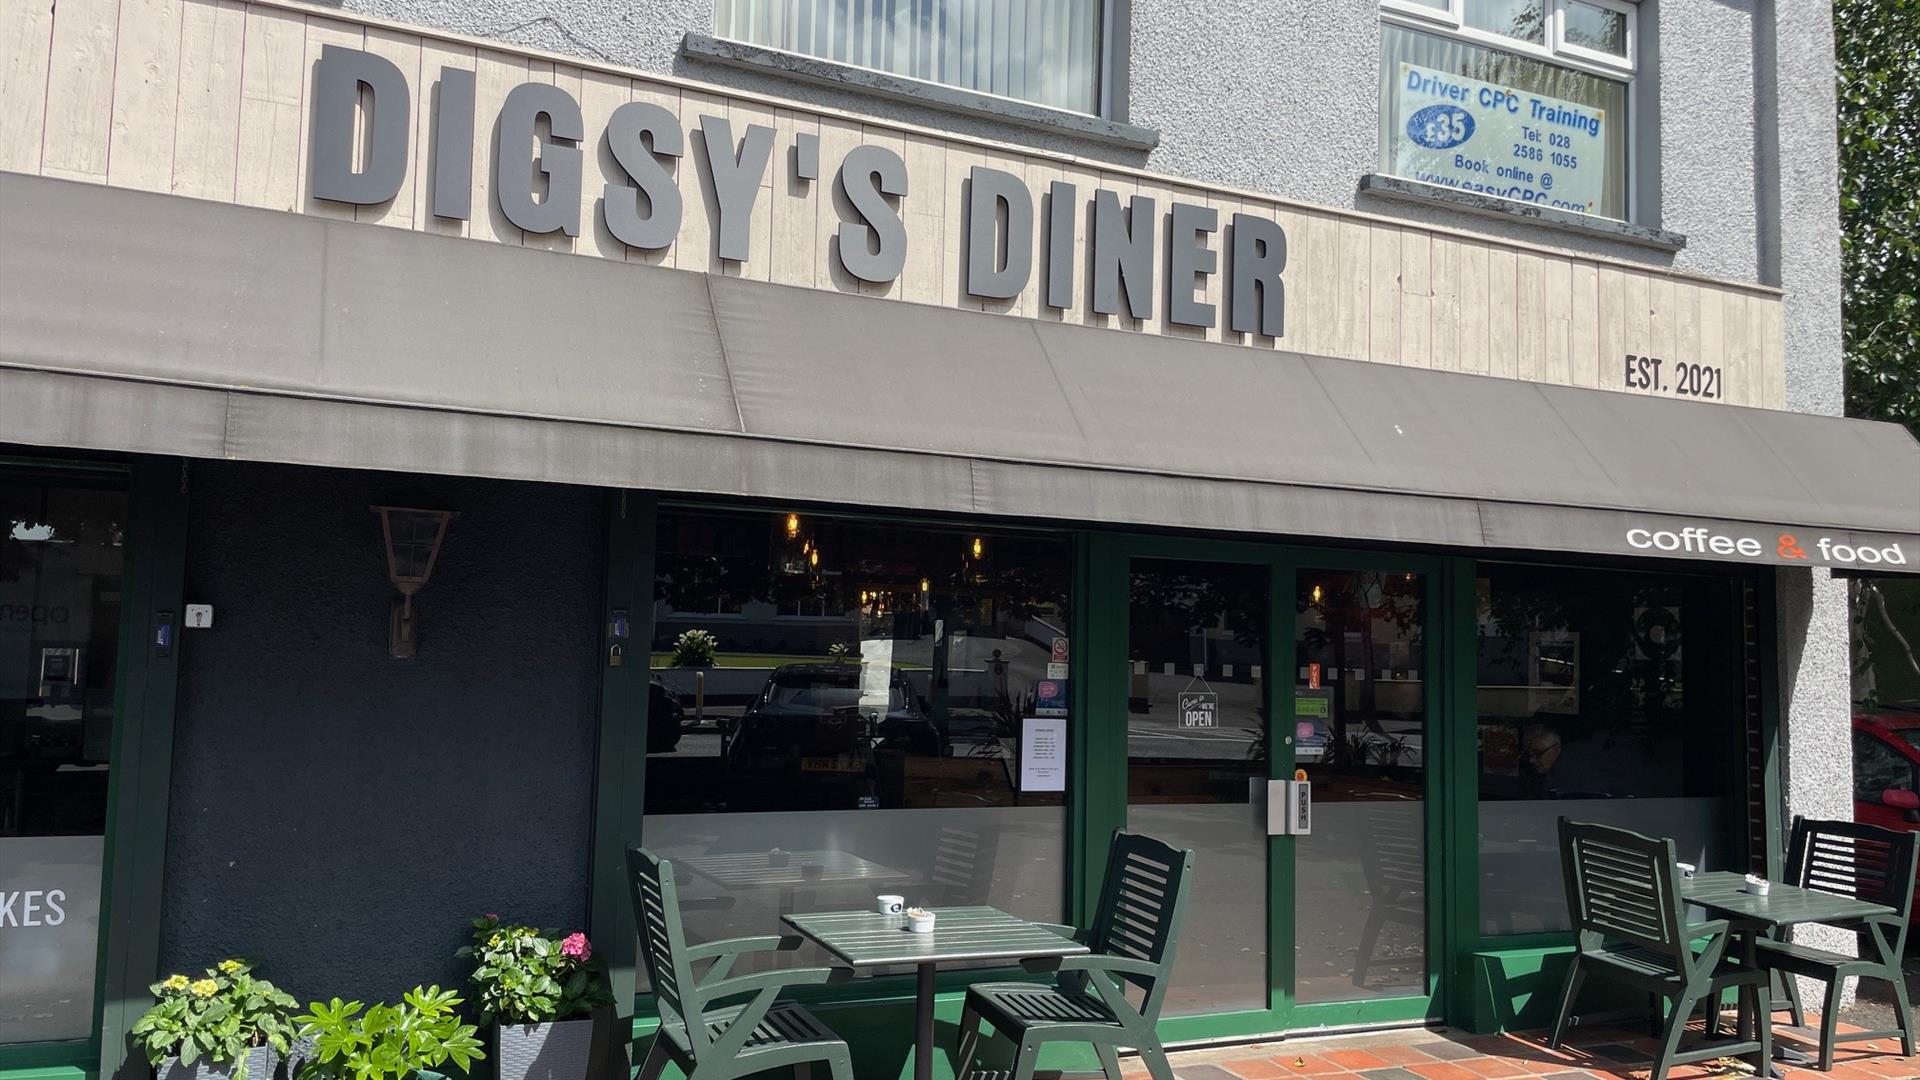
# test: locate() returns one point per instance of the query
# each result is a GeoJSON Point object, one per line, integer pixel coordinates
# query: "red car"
{"type": "Point", "coordinates": [1886, 771]}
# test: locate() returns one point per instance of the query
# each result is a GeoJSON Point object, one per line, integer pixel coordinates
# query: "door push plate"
{"type": "Point", "coordinates": [1289, 808]}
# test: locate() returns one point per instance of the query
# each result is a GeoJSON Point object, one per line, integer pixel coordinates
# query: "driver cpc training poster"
{"type": "Point", "coordinates": [1477, 136]}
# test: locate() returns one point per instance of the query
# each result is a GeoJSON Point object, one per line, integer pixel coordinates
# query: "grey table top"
{"type": "Point", "coordinates": [1720, 891]}
{"type": "Point", "coordinates": [869, 939]}
{"type": "Point", "coordinates": [754, 869]}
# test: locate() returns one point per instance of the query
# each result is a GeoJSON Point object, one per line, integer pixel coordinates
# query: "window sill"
{"type": "Point", "coordinates": [739, 54]}
{"type": "Point", "coordinates": [1393, 187]}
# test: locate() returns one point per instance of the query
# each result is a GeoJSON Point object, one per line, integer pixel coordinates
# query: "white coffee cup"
{"type": "Point", "coordinates": [890, 905]}
{"type": "Point", "coordinates": [1686, 869]}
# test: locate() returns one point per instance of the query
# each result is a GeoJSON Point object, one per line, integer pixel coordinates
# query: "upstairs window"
{"type": "Point", "coordinates": [1043, 51]}
{"type": "Point", "coordinates": [1518, 99]}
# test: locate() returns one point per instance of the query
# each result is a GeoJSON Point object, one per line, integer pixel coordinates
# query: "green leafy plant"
{"type": "Point", "coordinates": [1390, 749]}
{"type": "Point", "coordinates": [388, 1042]}
{"type": "Point", "coordinates": [529, 976]}
{"type": "Point", "coordinates": [218, 1018]}
{"type": "Point", "coordinates": [1352, 749]}
{"type": "Point", "coordinates": [695, 648]}
{"type": "Point", "coordinates": [1878, 71]}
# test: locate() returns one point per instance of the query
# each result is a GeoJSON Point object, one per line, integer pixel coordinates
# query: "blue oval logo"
{"type": "Point", "coordinates": [1440, 127]}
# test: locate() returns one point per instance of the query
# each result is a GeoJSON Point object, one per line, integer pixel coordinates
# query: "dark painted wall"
{"type": "Point", "coordinates": [337, 814]}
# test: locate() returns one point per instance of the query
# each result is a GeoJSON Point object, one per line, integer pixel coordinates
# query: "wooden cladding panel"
{"type": "Point", "coordinates": [26, 51]}
{"type": "Point", "coordinates": [208, 99]}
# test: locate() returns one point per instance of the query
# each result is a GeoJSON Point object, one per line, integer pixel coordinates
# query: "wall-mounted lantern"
{"type": "Point", "coordinates": [413, 540]}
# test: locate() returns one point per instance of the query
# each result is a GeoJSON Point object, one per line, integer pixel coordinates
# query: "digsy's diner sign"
{"type": "Point", "coordinates": [642, 206]}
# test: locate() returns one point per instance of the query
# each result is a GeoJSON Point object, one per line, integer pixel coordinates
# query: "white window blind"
{"type": "Point", "coordinates": [1043, 51]}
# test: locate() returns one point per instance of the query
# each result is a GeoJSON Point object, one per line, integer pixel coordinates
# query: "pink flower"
{"type": "Point", "coordinates": [575, 946]}
{"type": "Point", "coordinates": [493, 916]}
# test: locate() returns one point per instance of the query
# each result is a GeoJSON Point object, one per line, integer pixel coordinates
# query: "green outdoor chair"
{"type": "Point", "coordinates": [720, 1043]}
{"type": "Point", "coordinates": [1868, 863]}
{"type": "Point", "coordinates": [1624, 900]}
{"type": "Point", "coordinates": [1132, 946]}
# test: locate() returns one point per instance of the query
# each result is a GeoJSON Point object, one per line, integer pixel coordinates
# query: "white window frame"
{"type": "Point", "coordinates": [1450, 22]}
{"type": "Point", "coordinates": [1108, 87]}
{"type": "Point", "coordinates": [1629, 12]}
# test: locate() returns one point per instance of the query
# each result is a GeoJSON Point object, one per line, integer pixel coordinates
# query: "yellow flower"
{"type": "Point", "coordinates": [203, 987]}
{"type": "Point", "coordinates": [230, 966]}
{"type": "Point", "coordinates": [175, 982]}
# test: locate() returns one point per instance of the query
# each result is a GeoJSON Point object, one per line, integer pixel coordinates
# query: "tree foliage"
{"type": "Point", "coordinates": [1877, 47]}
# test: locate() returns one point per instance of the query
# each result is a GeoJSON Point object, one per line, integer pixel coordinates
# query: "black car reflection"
{"type": "Point", "coordinates": [666, 718]}
{"type": "Point", "coordinates": [814, 738]}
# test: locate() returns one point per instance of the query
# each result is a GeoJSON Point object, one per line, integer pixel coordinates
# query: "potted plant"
{"type": "Point", "coordinates": [539, 990]}
{"type": "Point", "coordinates": [695, 649]}
{"type": "Point", "coordinates": [387, 1042]}
{"type": "Point", "coordinates": [228, 1024]}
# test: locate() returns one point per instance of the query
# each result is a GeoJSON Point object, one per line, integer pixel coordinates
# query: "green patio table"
{"type": "Point", "coordinates": [864, 939]}
{"type": "Point", "coordinates": [1723, 893]}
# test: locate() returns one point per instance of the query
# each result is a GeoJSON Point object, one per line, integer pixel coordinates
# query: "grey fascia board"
{"type": "Point", "coordinates": [1394, 187]}
{"type": "Point", "coordinates": [758, 58]}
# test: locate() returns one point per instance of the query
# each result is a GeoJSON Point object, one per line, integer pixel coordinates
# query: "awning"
{"type": "Point", "coordinates": [157, 324]}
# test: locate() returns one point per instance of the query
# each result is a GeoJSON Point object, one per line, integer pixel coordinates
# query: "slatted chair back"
{"type": "Point", "coordinates": [1394, 859]}
{"type": "Point", "coordinates": [1621, 886]}
{"type": "Point", "coordinates": [1853, 859]}
{"type": "Point", "coordinates": [663, 943]}
{"type": "Point", "coordinates": [963, 861]}
{"type": "Point", "coordinates": [1141, 903]}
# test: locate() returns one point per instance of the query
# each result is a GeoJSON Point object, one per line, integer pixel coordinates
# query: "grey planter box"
{"type": "Point", "coordinates": [261, 1061]}
{"type": "Point", "coordinates": [552, 1051]}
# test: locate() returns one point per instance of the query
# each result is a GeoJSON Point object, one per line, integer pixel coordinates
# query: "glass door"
{"type": "Point", "coordinates": [1197, 765]}
{"type": "Point", "coordinates": [1234, 667]}
{"type": "Point", "coordinates": [1360, 735]}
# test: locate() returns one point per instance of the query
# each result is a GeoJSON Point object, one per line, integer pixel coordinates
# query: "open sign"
{"type": "Point", "coordinates": [1199, 708]}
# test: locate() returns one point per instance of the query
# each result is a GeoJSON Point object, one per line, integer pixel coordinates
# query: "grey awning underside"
{"type": "Point", "coordinates": [149, 323]}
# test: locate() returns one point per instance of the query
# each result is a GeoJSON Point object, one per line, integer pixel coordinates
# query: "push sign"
{"type": "Point", "coordinates": [1199, 708]}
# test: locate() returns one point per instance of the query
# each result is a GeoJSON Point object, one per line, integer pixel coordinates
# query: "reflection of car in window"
{"type": "Point", "coordinates": [665, 718]}
{"type": "Point", "coordinates": [1886, 770]}
{"type": "Point", "coordinates": [813, 729]}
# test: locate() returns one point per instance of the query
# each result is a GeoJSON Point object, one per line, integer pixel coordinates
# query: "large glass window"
{"type": "Point", "coordinates": [1044, 51]}
{"type": "Point", "coordinates": [1608, 696]}
{"type": "Point", "coordinates": [843, 709]}
{"type": "Point", "coordinates": [61, 560]}
{"type": "Point", "coordinates": [1519, 99]}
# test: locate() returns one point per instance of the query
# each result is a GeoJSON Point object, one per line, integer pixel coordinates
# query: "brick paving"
{"type": "Point", "coordinates": [1595, 1054]}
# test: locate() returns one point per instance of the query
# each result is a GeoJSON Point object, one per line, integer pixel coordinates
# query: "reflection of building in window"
{"type": "Point", "coordinates": [62, 555]}
{"type": "Point", "coordinates": [958, 624]}
{"type": "Point", "coordinates": [855, 728]}
{"type": "Point", "coordinates": [1590, 706]}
